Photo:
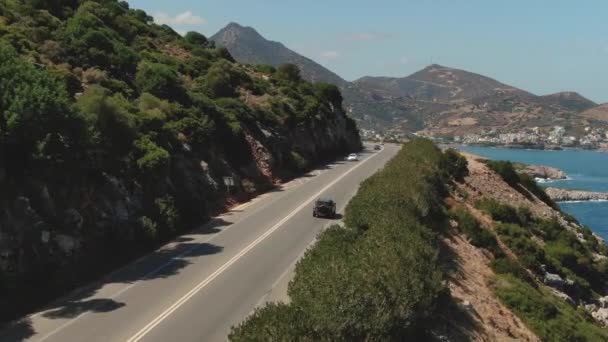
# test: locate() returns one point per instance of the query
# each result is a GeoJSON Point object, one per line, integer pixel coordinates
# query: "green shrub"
{"type": "Point", "coordinates": [153, 159]}
{"type": "Point", "coordinates": [168, 215]}
{"type": "Point", "coordinates": [455, 164]}
{"type": "Point", "coordinates": [33, 106]}
{"type": "Point", "coordinates": [196, 38]}
{"type": "Point", "coordinates": [478, 236]}
{"type": "Point", "coordinates": [297, 162]}
{"type": "Point", "coordinates": [520, 241]}
{"type": "Point", "coordinates": [160, 80]}
{"type": "Point", "coordinates": [149, 227]}
{"type": "Point", "coordinates": [288, 73]}
{"type": "Point", "coordinates": [111, 121]}
{"type": "Point", "coordinates": [529, 183]}
{"type": "Point", "coordinates": [498, 211]}
{"type": "Point", "coordinates": [222, 80]}
{"type": "Point", "coordinates": [551, 318]}
{"type": "Point", "coordinates": [505, 169]}
{"type": "Point", "coordinates": [505, 265]}
{"type": "Point", "coordinates": [273, 322]}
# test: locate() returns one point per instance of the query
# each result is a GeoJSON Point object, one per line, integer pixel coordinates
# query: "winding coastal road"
{"type": "Point", "coordinates": [202, 283]}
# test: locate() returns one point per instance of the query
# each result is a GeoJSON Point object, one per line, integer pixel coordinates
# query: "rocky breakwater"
{"type": "Point", "coordinates": [544, 172]}
{"type": "Point", "coordinates": [563, 195]}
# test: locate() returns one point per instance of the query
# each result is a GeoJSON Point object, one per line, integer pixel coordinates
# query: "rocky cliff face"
{"type": "Point", "coordinates": [86, 226]}
{"type": "Point", "coordinates": [562, 195]}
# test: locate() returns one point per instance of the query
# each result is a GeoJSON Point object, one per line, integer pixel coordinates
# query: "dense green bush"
{"type": "Point", "coordinates": [159, 80]}
{"type": "Point", "coordinates": [377, 279]}
{"type": "Point", "coordinates": [551, 318]}
{"type": "Point", "coordinates": [504, 265]}
{"type": "Point", "coordinates": [505, 169]}
{"type": "Point", "coordinates": [498, 211]}
{"type": "Point", "coordinates": [297, 162]}
{"type": "Point", "coordinates": [196, 38]}
{"type": "Point", "coordinates": [222, 80]}
{"type": "Point", "coordinates": [34, 106]}
{"type": "Point", "coordinates": [110, 119]}
{"type": "Point", "coordinates": [520, 241]}
{"type": "Point", "coordinates": [153, 160]}
{"type": "Point", "coordinates": [455, 164]}
{"type": "Point", "coordinates": [288, 73]}
{"type": "Point", "coordinates": [478, 236]}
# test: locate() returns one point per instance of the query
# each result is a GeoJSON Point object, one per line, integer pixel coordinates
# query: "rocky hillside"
{"type": "Point", "coordinates": [599, 113]}
{"type": "Point", "coordinates": [437, 84]}
{"type": "Point", "coordinates": [522, 256]}
{"type": "Point", "coordinates": [570, 100]}
{"type": "Point", "coordinates": [116, 134]}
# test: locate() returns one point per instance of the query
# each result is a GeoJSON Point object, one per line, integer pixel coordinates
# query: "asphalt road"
{"type": "Point", "coordinates": [197, 287]}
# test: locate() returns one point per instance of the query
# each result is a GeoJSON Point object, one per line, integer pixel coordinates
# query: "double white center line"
{"type": "Point", "coordinates": [143, 332]}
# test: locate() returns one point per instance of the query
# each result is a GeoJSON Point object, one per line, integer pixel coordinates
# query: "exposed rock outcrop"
{"type": "Point", "coordinates": [544, 172]}
{"type": "Point", "coordinates": [563, 195]}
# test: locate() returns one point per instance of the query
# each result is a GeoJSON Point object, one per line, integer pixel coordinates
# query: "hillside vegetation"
{"type": "Point", "coordinates": [548, 269]}
{"type": "Point", "coordinates": [115, 134]}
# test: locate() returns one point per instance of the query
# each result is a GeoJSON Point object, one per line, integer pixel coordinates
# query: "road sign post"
{"type": "Point", "coordinates": [228, 181]}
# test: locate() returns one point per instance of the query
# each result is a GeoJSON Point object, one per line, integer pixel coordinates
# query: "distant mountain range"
{"type": "Point", "coordinates": [437, 99]}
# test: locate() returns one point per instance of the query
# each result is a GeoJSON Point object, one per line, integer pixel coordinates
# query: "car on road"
{"type": "Point", "coordinates": [352, 157]}
{"type": "Point", "coordinates": [324, 207]}
{"type": "Point", "coordinates": [377, 148]}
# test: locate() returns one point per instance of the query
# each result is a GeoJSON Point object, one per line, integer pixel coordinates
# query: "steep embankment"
{"type": "Point", "coordinates": [539, 263]}
{"type": "Point", "coordinates": [116, 134]}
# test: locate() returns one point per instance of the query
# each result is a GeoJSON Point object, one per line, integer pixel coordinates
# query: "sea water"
{"type": "Point", "coordinates": [587, 170]}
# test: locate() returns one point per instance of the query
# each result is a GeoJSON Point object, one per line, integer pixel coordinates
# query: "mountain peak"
{"type": "Point", "coordinates": [571, 100]}
{"type": "Point", "coordinates": [248, 46]}
{"type": "Point", "coordinates": [233, 31]}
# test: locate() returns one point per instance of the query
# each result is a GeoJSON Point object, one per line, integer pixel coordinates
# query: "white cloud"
{"type": "Point", "coordinates": [186, 18]}
{"type": "Point", "coordinates": [404, 60]}
{"type": "Point", "coordinates": [330, 54]}
{"type": "Point", "coordinates": [366, 36]}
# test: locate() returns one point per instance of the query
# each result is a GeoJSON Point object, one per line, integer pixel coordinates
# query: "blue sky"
{"type": "Point", "coordinates": [542, 46]}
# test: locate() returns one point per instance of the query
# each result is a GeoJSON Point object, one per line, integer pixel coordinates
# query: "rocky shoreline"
{"type": "Point", "coordinates": [544, 172]}
{"type": "Point", "coordinates": [564, 195]}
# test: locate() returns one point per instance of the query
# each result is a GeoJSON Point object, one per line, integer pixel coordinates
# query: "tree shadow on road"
{"type": "Point", "coordinates": [162, 263]}
{"type": "Point", "coordinates": [17, 331]}
{"type": "Point", "coordinates": [75, 308]}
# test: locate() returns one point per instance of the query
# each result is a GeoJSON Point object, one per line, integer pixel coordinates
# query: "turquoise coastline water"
{"type": "Point", "coordinates": [587, 170]}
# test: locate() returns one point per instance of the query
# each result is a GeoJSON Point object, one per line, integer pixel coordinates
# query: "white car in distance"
{"type": "Point", "coordinates": [352, 157]}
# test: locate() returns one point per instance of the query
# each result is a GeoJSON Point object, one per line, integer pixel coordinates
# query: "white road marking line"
{"type": "Point", "coordinates": [291, 267]}
{"type": "Point", "coordinates": [143, 332]}
{"type": "Point", "coordinates": [166, 247]}
{"type": "Point", "coordinates": [158, 269]}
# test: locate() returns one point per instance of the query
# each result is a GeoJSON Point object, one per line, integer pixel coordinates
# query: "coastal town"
{"type": "Point", "coordinates": [555, 138]}
{"type": "Point", "coordinates": [592, 138]}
